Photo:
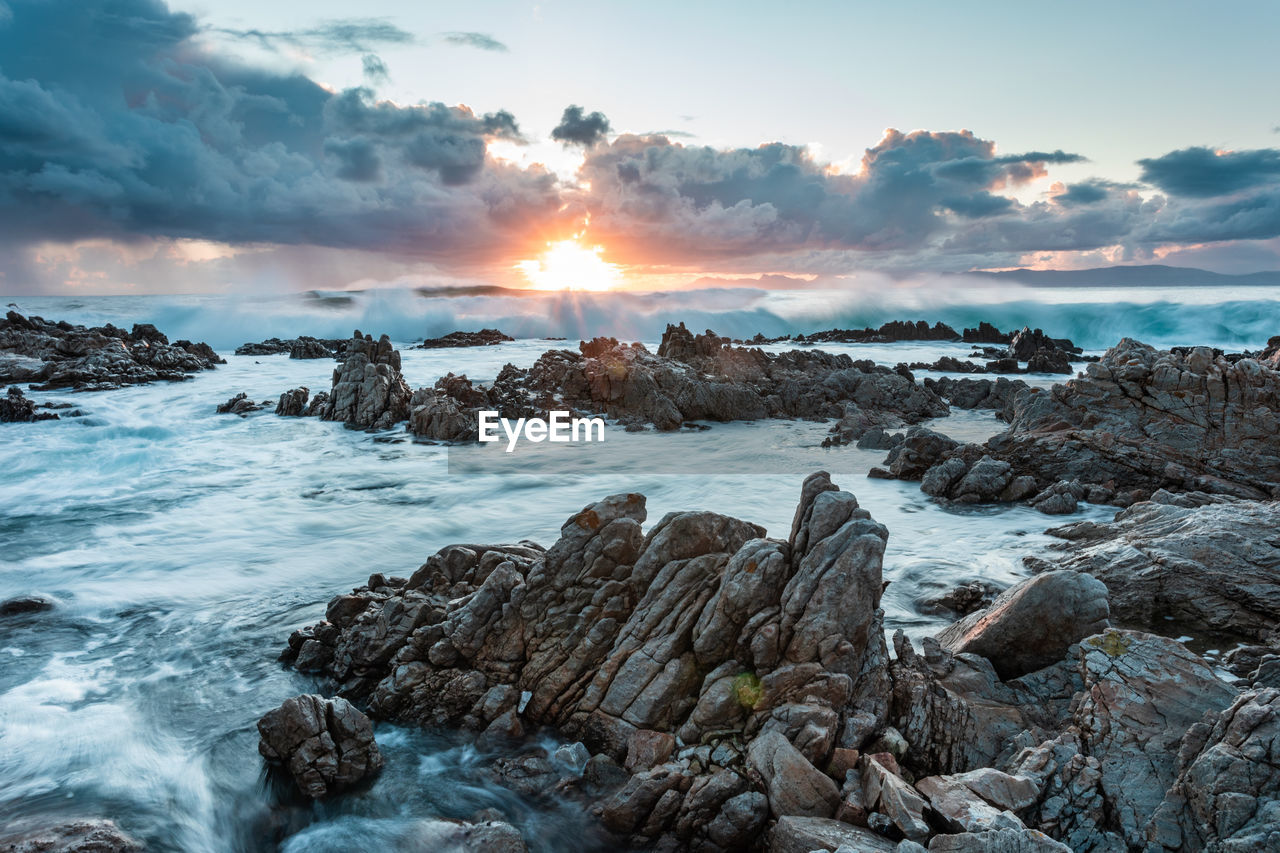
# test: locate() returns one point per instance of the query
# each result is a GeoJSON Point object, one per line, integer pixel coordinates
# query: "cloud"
{"type": "Point", "coordinates": [577, 128]}
{"type": "Point", "coordinates": [1087, 192]}
{"type": "Point", "coordinates": [344, 35]}
{"type": "Point", "coordinates": [656, 197]}
{"type": "Point", "coordinates": [118, 124]}
{"type": "Point", "coordinates": [1203, 173]}
{"type": "Point", "coordinates": [480, 41]}
{"type": "Point", "coordinates": [375, 70]}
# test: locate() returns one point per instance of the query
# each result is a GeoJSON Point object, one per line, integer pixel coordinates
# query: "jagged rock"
{"type": "Point", "coordinates": [1059, 499]}
{"type": "Point", "coordinates": [16, 408]}
{"type": "Point", "coordinates": [985, 334]}
{"type": "Point", "coordinates": [893, 331]}
{"type": "Point", "coordinates": [887, 793]}
{"type": "Point", "coordinates": [60, 355]}
{"type": "Point", "coordinates": [240, 405]}
{"type": "Point", "coordinates": [964, 393]}
{"type": "Point", "coordinates": [920, 450]}
{"type": "Point", "coordinates": [1140, 420]}
{"type": "Point", "coordinates": [293, 403]}
{"type": "Point", "coordinates": [700, 627]}
{"type": "Point", "coordinates": [482, 338]}
{"type": "Point", "coordinates": [1032, 624]}
{"type": "Point", "coordinates": [947, 364]}
{"type": "Point", "coordinates": [368, 391]}
{"type": "Point", "coordinates": [691, 378]}
{"type": "Point", "coordinates": [960, 600]}
{"type": "Point", "coordinates": [1227, 793]}
{"type": "Point", "coordinates": [793, 834]}
{"type": "Point", "coordinates": [997, 841]}
{"type": "Point", "coordinates": [961, 810]}
{"type": "Point", "coordinates": [326, 745]}
{"type": "Point", "coordinates": [79, 836]}
{"type": "Point", "coordinates": [1206, 570]}
{"type": "Point", "coordinates": [1104, 777]}
{"type": "Point", "coordinates": [303, 346]}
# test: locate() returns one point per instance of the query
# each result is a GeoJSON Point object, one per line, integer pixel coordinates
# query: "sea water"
{"type": "Point", "coordinates": [182, 547]}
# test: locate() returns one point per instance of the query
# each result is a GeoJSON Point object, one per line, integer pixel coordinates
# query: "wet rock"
{"type": "Point", "coordinates": [293, 403]}
{"type": "Point", "coordinates": [326, 745]}
{"type": "Point", "coordinates": [25, 604]}
{"type": "Point", "coordinates": [1141, 419]}
{"type": "Point", "coordinates": [1032, 624]}
{"type": "Point", "coordinates": [368, 391]}
{"type": "Point", "coordinates": [997, 394]}
{"type": "Point", "coordinates": [894, 330]}
{"type": "Point", "coordinates": [61, 355]}
{"type": "Point", "coordinates": [16, 408]}
{"type": "Point", "coordinates": [240, 404]}
{"type": "Point", "coordinates": [482, 338]}
{"type": "Point", "coordinates": [1227, 792]}
{"type": "Point", "coordinates": [1206, 570]}
{"type": "Point", "coordinates": [985, 334]}
{"type": "Point", "coordinates": [691, 378]}
{"type": "Point", "coordinates": [303, 346]}
{"type": "Point", "coordinates": [794, 834]}
{"type": "Point", "coordinates": [1059, 499]}
{"type": "Point", "coordinates": [919, 451]}
{"type": "Point", "coordinates": [78, 836]}
{"type": "Point", "coordinates": [960, 600]}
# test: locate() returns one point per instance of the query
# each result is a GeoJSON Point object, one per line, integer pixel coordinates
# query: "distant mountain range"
{"type": "Point", "coordinates": [1147, 275]}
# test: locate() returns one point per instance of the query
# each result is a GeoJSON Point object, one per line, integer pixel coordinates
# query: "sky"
{"type": "Point", "coordinates": [232, 145]}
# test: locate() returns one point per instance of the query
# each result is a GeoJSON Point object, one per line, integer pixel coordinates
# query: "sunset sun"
{"type": "Point", "coordinates": [568, 265]}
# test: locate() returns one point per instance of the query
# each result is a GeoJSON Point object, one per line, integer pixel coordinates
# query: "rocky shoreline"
{"type": "Point", "coordinates": [722, 690]}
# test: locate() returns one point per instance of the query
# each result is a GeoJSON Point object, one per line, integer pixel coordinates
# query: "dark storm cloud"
{"type": "Point", "coordinates": [577, 128]}
{"type": "Point", "coordinates": [480, 41]}
{"type": "Point", "coordinates": [1204, 173]}
{"type": "Point", "coordinates": [115, 123]}
{"type": "Point", "coordinates": [347, 35]}
{"type": "Point", "coordinates": [1091, 191]}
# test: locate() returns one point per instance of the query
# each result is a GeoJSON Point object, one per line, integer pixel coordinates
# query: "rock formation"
{"type": "Point", "coordinates": [240, 404]}
{"type": "Point", "coordinates": [17, 408]}
{"type": "Point", "coordinates": [482, 338]}
{"type": "Point", "coordinates": [303, 346]}
{"type": "Point", "coordinates": [60, 355]}
{"type": "Point", "coordinates": [326, 745]}
{"type": "Point", "coordinates": [293, 403]}
{"type": "Point", "coordinates": [1137, 421]}
{"type": "Point", "coordinates": [745, 685]}
{"type": "Point", "coordinates": [77, 836]}
{"type": "Point", "coordinates": [368, 391]}
{"type": "Point", "coordinates": [1196, 564]}
{"type": "Point", "coordinates": [692, 377]}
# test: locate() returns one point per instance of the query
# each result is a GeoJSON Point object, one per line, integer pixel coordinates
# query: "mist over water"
{"type": "Point", "coordinates": [182, 547]}
{"type": "Point", "coordinates": [1095, 318]}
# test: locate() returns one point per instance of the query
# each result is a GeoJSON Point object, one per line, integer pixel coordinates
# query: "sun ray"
{"type": "Point", "coordinates": [568, 265]}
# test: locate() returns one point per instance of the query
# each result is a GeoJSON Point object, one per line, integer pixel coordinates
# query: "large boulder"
{"type": "Point", "coordinates": [326, 745]}
{"type": "Point", "coordinates": [1032, 624]}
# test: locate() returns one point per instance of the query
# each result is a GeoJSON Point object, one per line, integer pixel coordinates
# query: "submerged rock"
{"type": "Point", "coordinates": [60, 355]}
{"type": "Point", "coordinates": [240, 405]}
{"type": "Point", "coordinates": [326, 745]}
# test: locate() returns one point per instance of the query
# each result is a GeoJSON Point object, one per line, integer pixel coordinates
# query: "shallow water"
{"type": "Point", "coordinates": [182, 547]}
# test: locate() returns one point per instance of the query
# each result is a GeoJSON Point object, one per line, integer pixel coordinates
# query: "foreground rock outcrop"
{"type": "Point", "coordinates": [60, 355]}
{"type": "Point", "coordinates": [325, 745]}
{"type": "Point", "coordinates": [16, 408]}
{"type": "Point", "coordinates": [691, 378]}
{"type": "Point", "coordinates": [745, 685]}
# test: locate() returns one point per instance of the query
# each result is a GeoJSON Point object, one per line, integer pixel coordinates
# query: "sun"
{"type": "Point", "coordinates": [568, 265]}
